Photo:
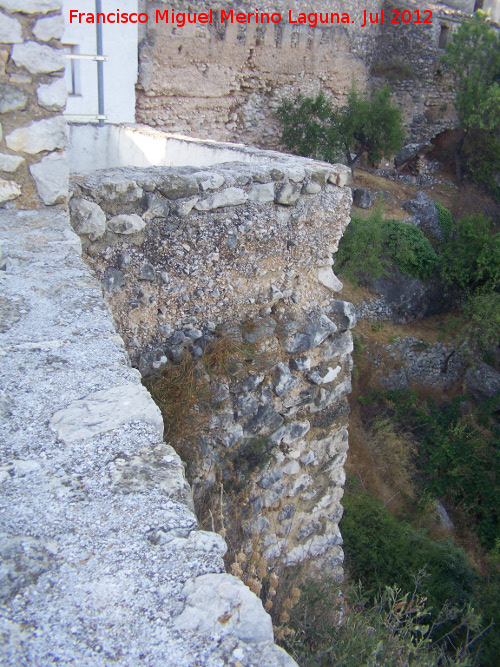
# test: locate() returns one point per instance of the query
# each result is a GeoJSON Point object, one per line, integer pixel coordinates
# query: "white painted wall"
{"type": "Point", "coordinates": [91, 148]}
{"type": "Point", "coordinates": [120, 70]}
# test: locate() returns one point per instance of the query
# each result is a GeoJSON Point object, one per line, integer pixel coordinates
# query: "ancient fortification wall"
{"type": "Point", "coordinates": [240, 253]}
{"type": "Point", "coordinates": [225, 82]}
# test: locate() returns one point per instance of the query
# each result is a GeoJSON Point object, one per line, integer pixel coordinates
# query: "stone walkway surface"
{"type": "Point", "coordinates": [101, 559]}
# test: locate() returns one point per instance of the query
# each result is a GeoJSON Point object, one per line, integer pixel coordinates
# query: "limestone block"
{"type": "Point", "coordinates": [10, 162]}
{"type": "Point", "coordinates": [327, 278]}
{"type": "Point", "coordinates": [312, 188]}
{"type": "Point", "coordinates": [209, 180]}
{"type": "Point", "coordinates": [10, 30]}
{"type": "Point", "coordinates": [177, 186]}
{"type": "Point", "coordinates": [284, 380]}
{"type": "Point", "coordinates": [87, 218]}
{"type": "Point", "coordinates": [51, 27]}
{"type": "Point", "coordinates": [8, 190]}
{"type": "Point", "coordinates": [288, 194]}
{"type": "Point", "coordinates": [11, 98]}
{"type": "Point", "coordinates": [105, 410]}
{"type": "Point", "coordinates": [53, 95]}
{"type": "Point", "coordinates": [324, 375]}
{"type": "Point", "coordinates": [51, 176]}
{"type": "Point", "coordinates": [227, 197]}
{"type": "Point", "coordinates": [38, 58]}
{"type": "Point", "coordinates": [344, 314]}
{"type": "Point", "coordinates": [262, 194]}
{"type": "Point", "coordinates": [126, 224]}
{"type": "Point", "coordinates": [341, 176]}
{"type": "Point", "coordinates": [222, 604]}
{"type": "Point", "coordinates": [296, 174]}
{"type": "Point", "coordinates": [30, 6]}
{"type": "Point", "coordinates": [43, 135]}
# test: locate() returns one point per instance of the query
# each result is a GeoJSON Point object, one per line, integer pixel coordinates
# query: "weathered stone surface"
{"type": "Point", "coordinates": [425, 214]}
{"type": "Point", "coordinates": [51, 27]}
{"type": "Point", "coordinates": [344, 314]}
{"type": "Point", "coordinates": [177, 186]}
{"type": "Point", "coordinates": [287, 512]}
{"type": "Point", "coordinates": [337, 346]}
{"type": "Point", "coordinates": [23, 561]}
{"type": "Point", "coordinates": [300, 363]}
{"type": "Point", "coordinates": [114, 192]}
{"type": "Point", "coordinates": [262, 193]}
{"type": "Point", "coordinates": [157, 207]}
{"type": "Point", "coordinates": [482, 381]}
{"type": "Point", "coordinates": [105, 410]}
{"type": "Point", "coordinates": [51, 176]}
{"type": "Point", "coordinates": [246, 405]}
{"type": "Point", "coordinates": [227, 197]}
{"type": "Point", "coordinates": [147, 272]}
{"type": "Point", "coordinates": [11, 98]}
{"type": "Point", "coordinates": [52, 96]}
{"type": "Point", "coordinates": [88, 218]}
{"type": "Point", "coordinates": [39, 58]}
{"type": "Point", "coordinates": [327, 278]}
{"type": "Point", "coordinates": [42, 135]}
{"type": "Point", "coordinates": [340, 176]}
{"type": "Point", "coordinates": [287, 194]}
{"type": "Point", "coordinates": [8, 190]}
{"type": "Point", "coordinates": [317, 328]}
{"type": "Point", "coordinates": [222, 604]}
{"type": "Point", "coordinates": [284, 380]}
{"type": "Point", "coordinates": [210, 180]}
{"type": "Point", "coordinates": [113, 280]}
{"type": "Point", "coordinates": [362, 198]}
{"type": "Point", "coordinates": [268, 480]}
{"type": "Point", "coordinates": [10, 162]}
{"type": "Point", "coordinates": [126, 224]}
{"type": "Point", "coordinates": [259, 330]}
{"type": "Point", "coordinates": [266, 420]}
{"type": "Point", "coordinates": [31, 6]}
{"type": "Point", "coordinates": [10, 30]}
{"type": "Point", "coordinates": [318, 545]}
{"type": "Point", "coordinates": [324, 375]}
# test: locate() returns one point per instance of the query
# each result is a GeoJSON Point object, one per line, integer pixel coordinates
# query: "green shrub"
{"type": "Point", "coordinates": [372, 246]}
{"type": "Point", "coordinates": [313, 127]}
{"type": "Point", "coordinates": [445, 220]}
{"type": "Point", "coordinates": [361, 249]}
{"type": "Point", "coordinates": [381, 551]}
{"type": "Point", "coordinates": [458, 455]}
{"type": "Point", "coordinates": [393, 630]}
{"type": "Point", "coordinates": [410, 250]}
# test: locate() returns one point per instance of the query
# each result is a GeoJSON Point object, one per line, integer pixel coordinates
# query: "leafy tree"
{"type": "Point", "coordinates": [473, 59]}
{"type": "Point", "coordinates": [312, 127]}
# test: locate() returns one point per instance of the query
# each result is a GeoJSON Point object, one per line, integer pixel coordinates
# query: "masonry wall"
{"type": "Point", "coordinates": [241, 253]}
{"type": "Point", "coordinates": [33, 166]}
{"type": "Point", "coordinates": [226, 82]}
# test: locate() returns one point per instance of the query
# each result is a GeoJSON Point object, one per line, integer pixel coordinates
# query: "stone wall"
{"type": "Point", "coordinates": [244, 252]}
{"type": "Point", "coordinates": [34, 170]}
{"type": "Point", "coordinates": [412, 362]}
{"type": "Point", "coordinates": [226, 83]}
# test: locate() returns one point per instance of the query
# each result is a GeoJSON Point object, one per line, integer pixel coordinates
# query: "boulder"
{"type": "Point", "coordinates": [482, 381]}
{"type": "Point", "coordinates": [425, 214]}
{"type": "Point", "coordinates": [362, 198]}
